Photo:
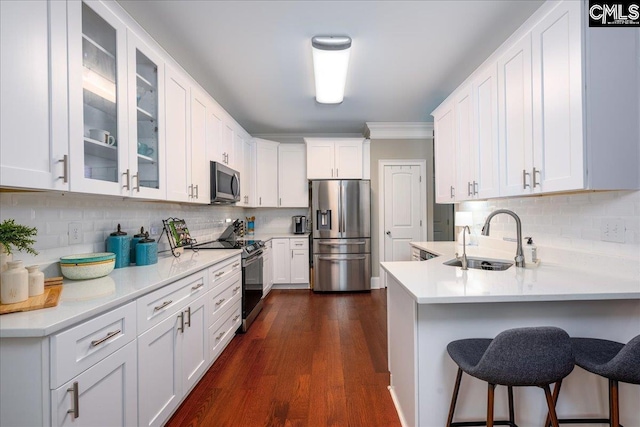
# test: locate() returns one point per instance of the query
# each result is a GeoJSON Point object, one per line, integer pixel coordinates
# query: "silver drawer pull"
{"type": "Point", "coordinates": [220, 335]}
{"type": "Point", "coordinates": [236, 265]}
{"type": "Point", "coordinates": [236, 289]}
{"type": "Point", "coordinates": [195, 288]}
{"type": "Point", "coordinates": [188, 322]}
{"type": "Point", "coordinates": [163, 305]}
{"type": "Point", "coordinates": [236, 318]}
{"type": "Point", "coordinates": [221, 301]}
{"type": "Point", "coordinates": [103, 339]}
{"type": "Point", "coordinates": [219, 274]}
{"type": "Point", "coordinates": [65, 169]}
{"type": "Point", "coordinates": [75, 411]}
{"type": "Point", "coordinates": [181, 327]}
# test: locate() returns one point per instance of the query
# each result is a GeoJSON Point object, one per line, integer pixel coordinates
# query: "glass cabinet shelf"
{"type": "Point", "coordinates": [146, 160]}
{"type": "Point", "coordinates": [146, 84]}
{"type": "Point", "coordinates": [93, 147]}
{"type": "Point", "coordinates": [144, 116]}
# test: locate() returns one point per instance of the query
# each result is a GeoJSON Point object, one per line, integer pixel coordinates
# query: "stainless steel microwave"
{"type": "Point", "coordinates": [225, 184]}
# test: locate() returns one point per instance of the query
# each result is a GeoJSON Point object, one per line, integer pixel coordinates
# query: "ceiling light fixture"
{"type": "Point", "coordinates": [330, 64]}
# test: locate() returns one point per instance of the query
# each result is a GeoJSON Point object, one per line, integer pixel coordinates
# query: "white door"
{"type": "Point", "coordinates": [281, 261]}
{"type": "Point", "coordinates": [403, 210]}
{"type": "Point", "coordinates": [195, 347]}
{"type": "Point", "coordinates": [515, 109]}
{"type": "Point", "coordinates": [443, 223]}
{"type": "Point", "coordinates": [106, 393]}
{"type": "Point", "coordinates": [178, 136]}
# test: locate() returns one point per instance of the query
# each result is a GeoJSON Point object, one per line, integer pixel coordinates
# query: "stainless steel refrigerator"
{"type": "Point", "coordinates": [341, 211]}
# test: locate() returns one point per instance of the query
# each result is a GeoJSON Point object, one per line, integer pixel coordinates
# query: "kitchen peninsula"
{"type": "Point", "coordinates": [431, 304]}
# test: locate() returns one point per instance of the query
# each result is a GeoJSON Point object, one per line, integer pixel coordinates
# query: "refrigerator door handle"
{"type": "Point", "coordinates": [340, 209]}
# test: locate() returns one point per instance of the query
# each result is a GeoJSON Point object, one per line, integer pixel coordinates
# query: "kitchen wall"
{"type": "Point", "coordinates": [570, 221]}
{"type": "Point", "coordinates": [400, 149]}
{"type": "Point", "coordinates": [51, 214]}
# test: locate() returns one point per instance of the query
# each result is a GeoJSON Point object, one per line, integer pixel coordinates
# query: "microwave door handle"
{"type": "Point", "coordinates": [235, 188]}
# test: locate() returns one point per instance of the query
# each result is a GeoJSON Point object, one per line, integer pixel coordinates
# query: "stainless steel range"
{"type": "Point", "coordinates": [252, 284]}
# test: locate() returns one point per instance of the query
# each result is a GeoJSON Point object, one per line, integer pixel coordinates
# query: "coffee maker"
{"type": "Point", "coordinates": [299, 224]}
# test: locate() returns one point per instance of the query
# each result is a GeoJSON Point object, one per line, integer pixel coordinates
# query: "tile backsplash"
{"type": "Point", "coordinates": [569, 221]}
{"type": "Point", "coordinates": [98, 216]}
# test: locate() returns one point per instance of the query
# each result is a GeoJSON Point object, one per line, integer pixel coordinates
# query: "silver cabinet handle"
{"type": "Point", "coordinates": [469, 191]}
{"type": "Point", "coordinates": [65, 168]}
{"type": "Point", "coordinates": [221, 301]}
{"type": "Point", "coordinates": [331, 172]}
{"type": "Point", "coordinates": [524, 179]}
{"type": "Point", "coordinates": [535, 171]}
{"type": "Point", "coordinates": [197, 193]}
{"type": "Point", "coordinates": [236, 289]}
{"type": "Point", "coordinates": [75, 410]}
{"type": "Point", "coordinates": [105, 338]}
{"type": "Point", "coordinates": [126, 185]}
{"type": "Point", "coordinates": [219, 274]}
{"type": "Point", "coordinates": [163, 305]}
{"type": "Point", "coordinates": [237, 264]}
{"type": "Point", "coordinates": [280, 201]}
{"type": "Point", "coordinates": [191, 191]}
{"type": "Point", "coordinates": [220, 335]}
{"type": "Point", "coordinates": [475, 188]}
{"type": "Point", "coordinates": [236, 317]}
{"type": "Point", "coordinates": [337, 173]}
{"type": "Point", "coordinates": [188, 322]}
{"type": "Point", "coordinates": [260, 201]}
{"type": "Point", "coordinates": [137, 177]}
{"type": "Point", "coordinates": [181, 327]}
{"type": "Point", "coordinates": [195, 288]}
{"type": "Point", "coordinates": [452, 192]}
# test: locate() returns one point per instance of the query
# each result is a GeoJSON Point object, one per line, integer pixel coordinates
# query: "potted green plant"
{"type": "Point", "coordinates": [15, 236]}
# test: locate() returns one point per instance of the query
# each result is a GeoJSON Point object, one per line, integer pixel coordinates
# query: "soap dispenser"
{"type": "Point", "coordinates": [530, 251]}
{"type": "Point", "coordinates": [118, 243]}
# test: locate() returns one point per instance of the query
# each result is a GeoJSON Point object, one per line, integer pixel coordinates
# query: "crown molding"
{"type": "Point", "coordinates": [298, 138]}
{"type": "Point", "coordinates": [399, 130]}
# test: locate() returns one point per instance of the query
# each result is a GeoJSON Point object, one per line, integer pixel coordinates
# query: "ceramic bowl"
{"type": "Point", "coordinates": [90, 270]}
{"type": "Point", "coordinates": [87, 258]}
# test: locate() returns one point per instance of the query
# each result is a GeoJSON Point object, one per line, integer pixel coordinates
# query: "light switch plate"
{"type": "Point", "coordinates": [612, 230]}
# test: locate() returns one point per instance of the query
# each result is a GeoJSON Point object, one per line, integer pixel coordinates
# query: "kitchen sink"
{"type": "Point", "coordinates": [481, 264]}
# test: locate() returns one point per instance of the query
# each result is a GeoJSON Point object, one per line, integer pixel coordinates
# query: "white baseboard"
{"type": "Point", "coordinates": [375, 283]}
{"type": "Point", "coordinates": [403, 422]}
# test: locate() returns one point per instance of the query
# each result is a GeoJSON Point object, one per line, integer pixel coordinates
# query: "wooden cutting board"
{"type": "Point", "coordinates": [49, 298]}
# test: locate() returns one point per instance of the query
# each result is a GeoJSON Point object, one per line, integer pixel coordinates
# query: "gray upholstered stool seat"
{"type": "Point", "coordinates": [609, 359]}
{"type": "Point", "coordinates": [516, 357]}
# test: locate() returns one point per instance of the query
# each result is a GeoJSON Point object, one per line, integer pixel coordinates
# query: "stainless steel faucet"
{"type": "Point", "coordinates": [463, 259]}
{"type": "Point", "coordinates": [519, 253]}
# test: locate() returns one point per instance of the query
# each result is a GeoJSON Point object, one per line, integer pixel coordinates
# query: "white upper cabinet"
{"type": "Point", "coordinates": [238, 165]}
{"type": "Point", "coordinates": [445, 153]}
{"type": "Point", "coordinates": [98, 122]}
{"type": "Point", "coordinates": [466, 164]}
{"type": "Point", "coordinates": [333, 158]}
{"type": "Point", "coordinates": [515, 118]}
{"type": "Point", "coordinates": [178, 135]}
{"type": "Point", "coordinates": [147, 157]}
{"type": "Point", "coordinates": [266, 173]}
{"type": "Point", "coordinates": [558, 161]}
{"type": "Point", "coordinates": [293, 190]}
{"type": "Point", "coordinates": [563, 124]}
{"type": "Point", "coordinates": [248, 180]}
{"type": "Point", "coordinates": [34, 139]}
{"type": "Point", "coordinates": [199, 184]}
{"type": "Point", "coordinates": [485, 133]}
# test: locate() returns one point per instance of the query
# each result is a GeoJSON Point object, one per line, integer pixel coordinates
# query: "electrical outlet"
{"type": "Point", "coordinates": [155, 230]}
{"type": "Point", "coordinates": [612, 230]}
{"type": "Point", "coordinates": [75, 233]}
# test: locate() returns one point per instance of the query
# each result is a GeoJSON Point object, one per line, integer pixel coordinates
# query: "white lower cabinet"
{"type": "Point", "coordinates": [267, 272]}
{"type": "Point", "coordinates": [173, 356]}
{"type": "Point", "coordinates": [291, 261]}
{"type": "Point", "coordinates": [104, 394]}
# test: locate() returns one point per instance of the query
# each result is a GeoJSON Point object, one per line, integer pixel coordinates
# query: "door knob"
{"type": "Point", "coordinates": [389, 233]}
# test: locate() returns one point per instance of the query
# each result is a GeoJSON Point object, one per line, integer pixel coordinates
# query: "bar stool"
{"type": "Point", "coordinates": [612, 360]}
{"type": "Point", "coordinates": [516, 357]}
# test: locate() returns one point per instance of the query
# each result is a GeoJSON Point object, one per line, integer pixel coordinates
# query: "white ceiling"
{"type": "Point", "coordinates": [254, 57]}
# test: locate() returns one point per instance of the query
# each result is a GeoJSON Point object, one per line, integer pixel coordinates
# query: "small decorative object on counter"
{"type": "Point", "coordinates": [178, 235]}
{"type": "Point", "coordinates": [15, 283]}
{"type": "Point", "coordinates": [36, 280]}
{"type": "Point", "coordinates": [251, 223]}
{"type": "Point", "coordinates": [530, 251]}
{"type": "Point", "coordinates": [146, 251]}
{"type": "Point", "coordinates": [134, 241]}
{"type": "Point", "coordinates": [120, 244]}
{"type": "Point", "coordinates": [15, 236]}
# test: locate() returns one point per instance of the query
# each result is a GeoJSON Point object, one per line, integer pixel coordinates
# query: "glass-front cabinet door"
{"type": "Point", "coordinates": [146, 120]}
{"type": "Point", "coordinates": [99, 142]}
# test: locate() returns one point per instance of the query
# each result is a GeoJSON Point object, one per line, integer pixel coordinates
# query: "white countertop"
{"type": "Point", "coordinates": [432, 282]}
{"type": "Point", "coordinates": [82, 299]}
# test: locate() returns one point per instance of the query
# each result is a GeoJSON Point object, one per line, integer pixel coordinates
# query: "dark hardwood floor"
{"type": "Point", "coordinates": [308, 360]}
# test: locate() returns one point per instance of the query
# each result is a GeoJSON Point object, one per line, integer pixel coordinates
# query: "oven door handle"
{"type": "Point", "coordinates": [254, 258]}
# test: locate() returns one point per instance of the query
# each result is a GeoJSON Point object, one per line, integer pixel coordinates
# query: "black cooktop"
{"type": "Point", "coordinates": [248, 246]}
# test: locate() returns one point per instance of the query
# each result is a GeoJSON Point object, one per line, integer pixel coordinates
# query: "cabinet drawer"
{"type": "Point", "coordinates": [224, 297]}
{"type": "Point", "coordinates": [219, 272]}
{"type": "Point", "coordinates": [84, 345]}
{"type": "Point", "coordinates": [153, 308]}
{"type": "Point", "coordinates": [222, 331]}
{"type": "Point", "coordinates": [299, 243]}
